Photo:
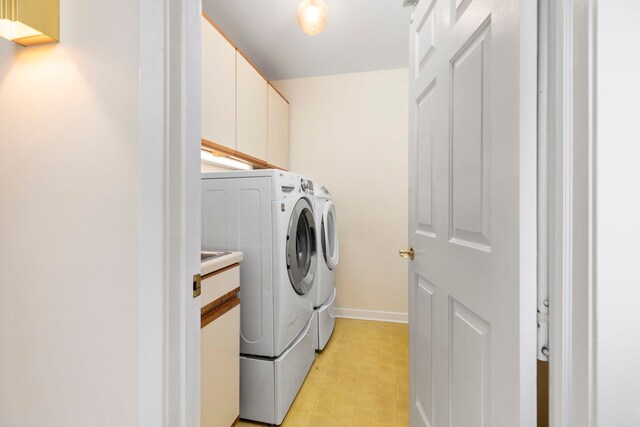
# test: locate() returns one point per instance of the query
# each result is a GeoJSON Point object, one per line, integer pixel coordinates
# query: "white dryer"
{"type": "Point", "coordinates": [268, 215]}
{"type": "Point", "coordinates": [328, 257]}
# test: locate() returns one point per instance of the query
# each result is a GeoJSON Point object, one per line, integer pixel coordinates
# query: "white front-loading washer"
{"type": "Point", "coordinates": [328, 257]}
{"type": "Point", "coordinates": [269, 216]}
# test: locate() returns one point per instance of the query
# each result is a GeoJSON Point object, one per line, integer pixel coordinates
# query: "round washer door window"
{"type": "Point", "coordinates": [330, 248]}
{"type": "Point", "coordinates": [301, 248]}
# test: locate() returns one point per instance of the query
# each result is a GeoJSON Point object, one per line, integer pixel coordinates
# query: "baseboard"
{"type": "Point", "coordinates": [380, 316]}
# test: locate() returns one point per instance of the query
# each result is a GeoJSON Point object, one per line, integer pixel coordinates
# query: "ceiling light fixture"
{"type": "Point", "coordinates": [313, 16]}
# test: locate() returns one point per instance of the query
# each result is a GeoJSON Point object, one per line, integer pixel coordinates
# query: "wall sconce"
{"type": "Point", "coordinates": [30, 22]}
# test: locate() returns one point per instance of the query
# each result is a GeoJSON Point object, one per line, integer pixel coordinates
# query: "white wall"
{"type": "Point", "coordinates": [69, 222]}
{"type": "Point", "coordinates": [349, 132]}
{"type": "Point", "coordinates": [208, 167]}
{"type": "Point", "coordinates": [617, 214]}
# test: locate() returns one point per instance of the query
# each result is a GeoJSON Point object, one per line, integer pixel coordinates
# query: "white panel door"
{"type": "Point", "coordinates": [218, 87]}
{"type": "Point", "coordinates": [278, 139]}
{"type": "Point", "coordinates": [472, 213]}
{"type": "Point", "coordinates": [251, 110]}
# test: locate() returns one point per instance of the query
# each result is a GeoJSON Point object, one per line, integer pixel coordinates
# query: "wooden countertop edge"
{"type": "Point", "coordinates": [213, 305]}
{"type": "Point", "coordinates": [218, 312]}
{"type": "Point", "coordinates": [220, 270]}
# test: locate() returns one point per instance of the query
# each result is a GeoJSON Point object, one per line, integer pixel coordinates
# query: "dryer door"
{"type": "Point", "coordinates": [330, 247]}
{"type": "Point", "coordinates": [301, 247]}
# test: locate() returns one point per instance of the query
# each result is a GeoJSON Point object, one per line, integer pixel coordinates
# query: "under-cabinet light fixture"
{"type": "Point", "coordinates": [30, 22]}
{"type": "Point", "coordinates": [224, 161]}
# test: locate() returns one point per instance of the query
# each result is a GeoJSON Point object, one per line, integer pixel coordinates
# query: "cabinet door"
{"type": "Point", "coordinates": [220, 370]}
{"type": "Point", "coordinates": [278, 132]}
{"type": "Point", "coordinates": [218, 87]}
{"type": "Point", "coordinates": [251, 116]}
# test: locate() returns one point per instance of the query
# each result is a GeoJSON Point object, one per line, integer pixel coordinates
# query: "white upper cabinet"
{"type": "Point", "coordinates": [218, 87]}
{"type": "Point", "coordinates": [251, 107]}
{"type": "Point", "coordinates": [240, 110]}
{"type": "Point", "coordinates": [278, 132]}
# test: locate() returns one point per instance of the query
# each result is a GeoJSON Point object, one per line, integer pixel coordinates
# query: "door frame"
{"type": "Point", "coordinates": [571, 207]}
{"type": "Point", "coordinates": [169, 213]}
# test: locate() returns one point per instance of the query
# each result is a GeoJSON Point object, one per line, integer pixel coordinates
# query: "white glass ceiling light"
{"type": "Point", "coordinates": [313, 16]}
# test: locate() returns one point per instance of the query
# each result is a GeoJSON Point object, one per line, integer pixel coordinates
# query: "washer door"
{"type": "Point", "coordinates": [329, 232]}
{"type": "Point", "coordinates": [301, 247]}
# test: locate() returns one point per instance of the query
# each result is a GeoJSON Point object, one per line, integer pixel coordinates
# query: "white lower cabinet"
{"type": "Point", "coordinates": [220, 349]}
{"type": "Point", "coordinates": [221, 371]}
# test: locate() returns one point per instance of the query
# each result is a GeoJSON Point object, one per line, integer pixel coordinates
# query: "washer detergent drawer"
{"type": "Point", "coordinates": [326, 321]}
{"type": "Point", "coordinates": [268, 387]}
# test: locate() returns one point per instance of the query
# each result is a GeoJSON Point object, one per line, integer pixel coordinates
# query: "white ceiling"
{"type": "Point", "coordinates": [362, 35]}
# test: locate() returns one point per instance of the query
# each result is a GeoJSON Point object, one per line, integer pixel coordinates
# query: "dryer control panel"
{"type": "Point", "coordinates": [306, 185]}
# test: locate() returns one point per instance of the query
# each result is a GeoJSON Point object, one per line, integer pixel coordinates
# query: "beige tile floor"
{"type": "Point", "coordinates": [360, 379]}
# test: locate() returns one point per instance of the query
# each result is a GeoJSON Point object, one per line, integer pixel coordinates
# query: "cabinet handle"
{"type": "Point", "coordinates": [197, 285]}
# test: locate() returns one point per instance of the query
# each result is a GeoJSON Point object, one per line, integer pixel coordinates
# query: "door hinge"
{"type": "Point", "coordinates": [197, 285]}
{"type": "Point", "coordinates": [543, 337]}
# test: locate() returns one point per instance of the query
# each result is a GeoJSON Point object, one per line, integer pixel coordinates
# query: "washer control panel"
{"type": "Point", "coordinates": [287, 185]}
{"type": "Point", "coordinates": [306, 185]}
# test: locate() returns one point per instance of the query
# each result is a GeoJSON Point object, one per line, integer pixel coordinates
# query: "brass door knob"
{"type": "Point", "coordinates": [408, 254]}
